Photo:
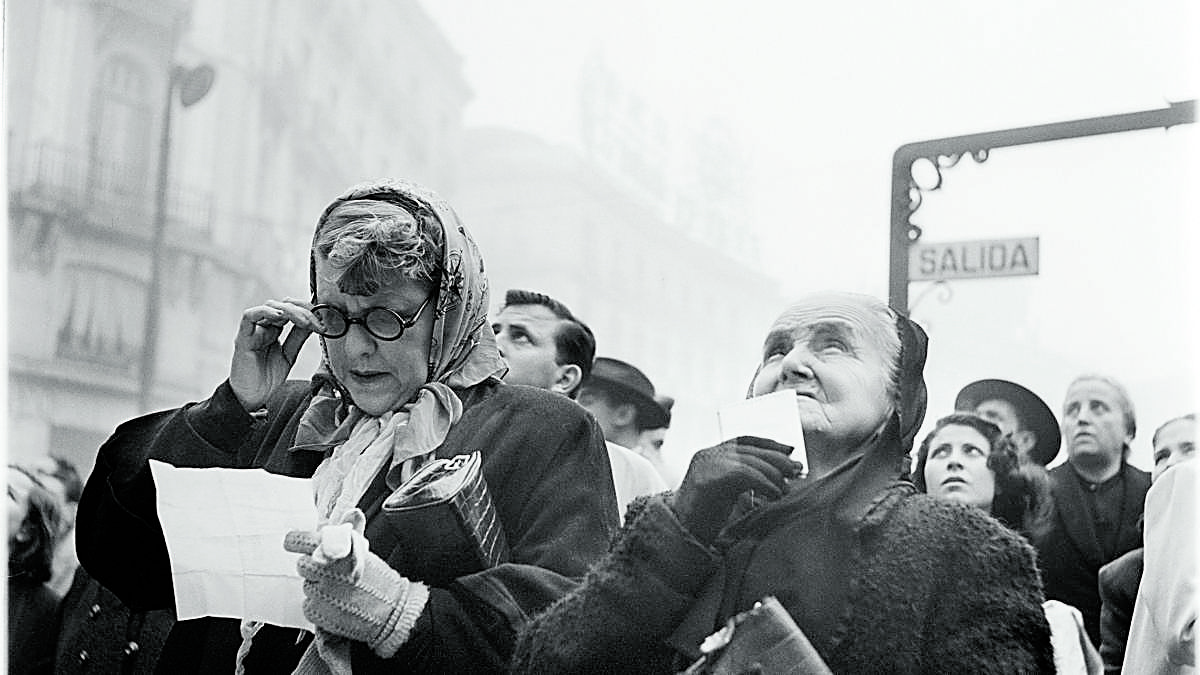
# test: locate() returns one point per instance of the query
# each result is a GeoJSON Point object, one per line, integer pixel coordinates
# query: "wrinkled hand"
{"type": "Point", "coordinates": [717, 475]}
{"type": "Point", "coordinates": [351, 592]}
{"type": "Point", "coordinates": [260, 362]}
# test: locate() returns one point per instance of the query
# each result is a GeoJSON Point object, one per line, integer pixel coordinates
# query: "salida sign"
{"type": "Point", "coordinates": [929, 261]}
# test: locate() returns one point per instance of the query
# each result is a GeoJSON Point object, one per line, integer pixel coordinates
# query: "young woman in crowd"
{"type": "Point", "coordinates": [877, 577]}
{"type": "Point", "coordinates": [967, 460]}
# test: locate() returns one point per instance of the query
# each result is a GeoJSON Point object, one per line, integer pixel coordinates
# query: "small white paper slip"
{"type": "Point", "coordinates": [224, 530]}
{"type": "Point", "coordinates": [774, 416]}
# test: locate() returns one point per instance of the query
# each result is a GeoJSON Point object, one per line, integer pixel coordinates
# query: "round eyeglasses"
{"type": "Point", "coordinates": [381, 322]}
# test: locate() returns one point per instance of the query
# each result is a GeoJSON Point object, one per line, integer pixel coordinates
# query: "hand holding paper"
{"type": "Point", "coordinates": [774, 416]}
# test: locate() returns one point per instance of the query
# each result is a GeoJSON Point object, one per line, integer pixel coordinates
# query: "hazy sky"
{"type": "Point", "coordinates": [821, 96]}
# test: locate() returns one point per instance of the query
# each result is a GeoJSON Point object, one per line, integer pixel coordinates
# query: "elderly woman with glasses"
{"type": "Point", "coordinates": [875, 577]}
{"type": "Point", "coordinates": [410, 373]}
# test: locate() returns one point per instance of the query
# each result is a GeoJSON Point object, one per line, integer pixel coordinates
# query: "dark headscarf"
{"type": "Point", "coordinates": [800, 546]}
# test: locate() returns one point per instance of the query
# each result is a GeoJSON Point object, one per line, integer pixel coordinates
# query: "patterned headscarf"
{"type": "Point", "coordinates": [462, 353]}
{"type": "Point", "coordinates": [463, 349]}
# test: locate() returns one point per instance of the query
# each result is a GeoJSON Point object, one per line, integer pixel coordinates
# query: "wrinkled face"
{"type": "Point", "coordinates": [956, 468]}
{"type": "Point", "coordinates": [1175, 443]}
{"type": "Point", "coordinates": [19, 486]}
{"type": "Point", "coordinates": [1094, 422]}
{"type": "Point", "coordinates": [833, 355]}
{"type": "Point", "coordinates": [525, 336]}
{"type": "Point", "coordinates": [1001, 413]}
{"type": "Point", "coordinates": [381, 375]}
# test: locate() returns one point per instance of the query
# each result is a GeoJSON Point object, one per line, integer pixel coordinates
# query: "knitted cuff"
{"type": "Point", "coordinates": [400, 622]}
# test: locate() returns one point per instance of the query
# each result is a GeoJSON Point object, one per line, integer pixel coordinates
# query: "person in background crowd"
{"type": "Point", "coordinates": [410, 372]}
{"type": "Point", "coordinates": [1173, 442]}
{"type": "Point", "coordinates": [969, 460]}
{"type": "Point", "coordinates": [544, 344]}
{"type": "Point", "coordinates": [622, 400]}
{"type": "Point", "coordinates": [877, 577]}
{"type": "Point", "coordinates": [62, 479]}
{"type": "Point", "coordinates": [1162, 634]}
{"type": "Point", "coordinates": [547, 347]}
{"type": "Point", "coordinates": [1018, 412]}
{"type": "Point", "coordinates": [33, 523]}
{"type": "Point", "coordinates": [650, 443]}
{"type": "Point", "coordinates": [1098, 496]}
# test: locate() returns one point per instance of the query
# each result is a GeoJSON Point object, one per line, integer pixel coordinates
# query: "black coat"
{"type": "Point", "coordinates": [544, 460]}
{"type": "Point", "coordinates": [33, 620]}
{"type": "Point", "coordinates": [935, 588]}
{"type": "Point", "coordinates": [1070, 552]}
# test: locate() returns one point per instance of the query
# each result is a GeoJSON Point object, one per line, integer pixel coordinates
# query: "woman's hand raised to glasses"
{"type": "Point", "coordinates": [717, 475]}
{"type": "Point", "coordinates": [260, 361]}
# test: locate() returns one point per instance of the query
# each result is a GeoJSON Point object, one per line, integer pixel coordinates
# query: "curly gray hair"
{"type": "Point", "coordinates": [365, 242]}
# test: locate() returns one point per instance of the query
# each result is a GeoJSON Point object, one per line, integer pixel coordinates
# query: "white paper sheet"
{"type": "Point", "coordinates": [224, 530]}
{"type": "Point", "coordinates": [774, 416]}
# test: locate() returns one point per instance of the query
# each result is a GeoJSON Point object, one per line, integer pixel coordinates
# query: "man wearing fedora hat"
{"type": "Point", "coordinates": [1019, 412]}
{"type": "Point", "coordinates": [622, 400]}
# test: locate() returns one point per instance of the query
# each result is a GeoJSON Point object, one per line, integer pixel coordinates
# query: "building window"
{"type": "Point", "coordinates": [119, 156]}
{"type": "Point", "coordinates": [104, 318]}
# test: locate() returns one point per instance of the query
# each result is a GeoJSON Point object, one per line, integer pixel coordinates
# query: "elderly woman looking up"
{"type": "Point", "coordinates": [399, 301]}
{"type": "Point", "coordinates": [966, 459]}
{"type": "Point", "coordinates": [879, 578]}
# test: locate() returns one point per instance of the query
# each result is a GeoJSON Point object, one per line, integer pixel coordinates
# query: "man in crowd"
{"type": "Point", "coordinates": [1019, 412]}
{"type": "Point", "coordinates": [1098, 496]}
{"type": "Point", "coordinates": [544, 344]}
{"type": "Point", "coordinates": [547, 347]}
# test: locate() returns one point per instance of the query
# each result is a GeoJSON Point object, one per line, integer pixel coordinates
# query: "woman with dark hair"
{"type": "Point", "coordinates": [966, 459]}
{"type": "Point", "coordinates": [873, 577]}
{"type": "Point", "coordinates": [1016, 493]}
{"type": "Point", "coordinates": [33, 526]}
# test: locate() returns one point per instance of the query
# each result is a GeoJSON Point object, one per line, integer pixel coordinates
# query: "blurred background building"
{"type": "Point", "coordinates": [637, 231]}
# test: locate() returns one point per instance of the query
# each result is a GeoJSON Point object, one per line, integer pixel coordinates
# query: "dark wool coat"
{"type": "Point", "coordinates": [101, 635]}
{"type": "Point", "coordinates": [1070, 552]}
{"type": "Point", "coordinates": [1119, 581]}
{"type": "Point", "coordinates": [33, 619]}
{"type": "Point", "coordinates": [546, 467]}
{"type": "Point", "coordinates": [936, 588]}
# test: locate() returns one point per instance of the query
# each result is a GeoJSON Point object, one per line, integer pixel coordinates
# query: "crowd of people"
{"type": "Point", "coordinates": [958, 553]}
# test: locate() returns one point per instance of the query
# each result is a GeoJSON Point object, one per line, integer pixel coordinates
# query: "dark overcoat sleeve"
{"type": "Point", "coordinates": [619, 619]}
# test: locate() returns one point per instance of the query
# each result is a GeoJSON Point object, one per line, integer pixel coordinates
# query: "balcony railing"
{"type": "Point", "coordinates": [108, 195]}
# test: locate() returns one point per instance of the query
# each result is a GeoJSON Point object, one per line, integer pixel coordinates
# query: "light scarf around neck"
{"type": "Point", "coordinates": [462, 353]}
